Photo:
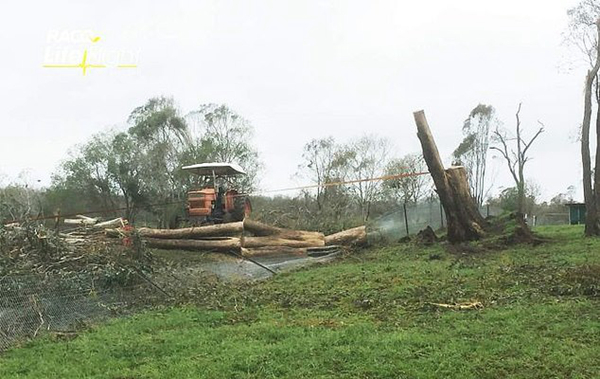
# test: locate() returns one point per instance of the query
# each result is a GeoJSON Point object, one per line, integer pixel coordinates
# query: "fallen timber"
{"type": "Point", "coordinates": [260, 229]}
{"type": "Point", "coordinates": [351, 237]}
{"type": "Point", "coordinates": [218, 230]}
{"type": "Point", "coordinates": [223, 244]}
{"type": "Point", "coordinates": [249, 238]}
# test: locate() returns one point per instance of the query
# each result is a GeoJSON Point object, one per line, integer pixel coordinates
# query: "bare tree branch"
{"type": "Point", "coordinates": [516, 160]}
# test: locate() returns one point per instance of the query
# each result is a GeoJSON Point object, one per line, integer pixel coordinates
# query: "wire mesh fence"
{"type": "Point", "coordinates": [31, 305]}
{"type": "Point", "coordinates": [549, 219]}
{"type": "Point", "coordinates": [412, 218]}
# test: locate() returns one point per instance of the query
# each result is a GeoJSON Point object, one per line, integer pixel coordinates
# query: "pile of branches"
{"type": "Point", "coordinates": [83, 254]}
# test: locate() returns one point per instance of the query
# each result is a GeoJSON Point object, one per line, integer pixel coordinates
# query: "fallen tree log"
{"type": "Point", "coordinates": [116, 233]}
{"type": "Point", "coordinates": [321, 251]}
{"type": "Point", "coordinates": [81, 220]}
{"type": "Point", "coordinates": [260, 229]}
{"type": "Point", "coordinates": [254, 242]}
{"type": "Point", "coordinates": [273, 251]}
{"type": "Point", "coordinates": [223, 244]}
{"type": "Point", "coordinates": [218, 230]}
{"type": "Point", "coordinates": [355, 236]}
{"type": "Point", "coordinates": [116, 223]}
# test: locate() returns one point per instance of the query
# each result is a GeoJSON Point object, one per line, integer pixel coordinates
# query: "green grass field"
{"type": "Point", "coordinates": [369, 315]}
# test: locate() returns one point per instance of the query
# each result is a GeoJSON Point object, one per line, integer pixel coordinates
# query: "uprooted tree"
{"type": "Point", "coordinates": [464, 221]}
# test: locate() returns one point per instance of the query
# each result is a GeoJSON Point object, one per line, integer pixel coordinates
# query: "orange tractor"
{"type": "Point", "coordinates": [217, 202]}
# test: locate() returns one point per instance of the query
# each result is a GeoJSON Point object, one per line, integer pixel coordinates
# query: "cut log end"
{"type": "Point", "coordinates": [351, 237]}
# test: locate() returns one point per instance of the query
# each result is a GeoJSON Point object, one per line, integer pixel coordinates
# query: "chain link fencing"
{"type": "Point", "coordinates": [410, 219]}
{"type": "Point", "coordinates": [31, 305]}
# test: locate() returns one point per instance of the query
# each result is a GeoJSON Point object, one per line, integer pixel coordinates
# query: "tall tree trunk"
{"type": "Point", "coordinates": [590, 194]}
{"type": "Point", "coordinates": [521, 193]}
{"type": "Point", "coordinates": [463, 219]}
{"type": "Point", "coordinates": [596, 198]}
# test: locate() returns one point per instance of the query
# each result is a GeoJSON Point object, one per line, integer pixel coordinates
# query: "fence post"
{"type": "Point", "coordinates": [441, 214]}
{"type": "Point", "coordinates": [405, 218]}
{"type": "Point", "coordinates": [57, 221]}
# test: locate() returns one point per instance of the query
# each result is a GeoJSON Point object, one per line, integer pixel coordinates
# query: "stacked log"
{"type": "Point", "coordinates": [262, 230]}
{"type": "Point", "coordinates": [273, 251]}
{"type": "Point", "coordinates": [250, 238]}
{"type": "Point", "coordinates": [257, 242]}
{"type": "Point", "coordinates": [270, 240]}
{"type": "Point", "coordinates": [284, 250]}
{"type": "Point", "coordinates": [351, 237]}
{"type": "Point", "coordinates": [219, 230]}
{"type": "Point", "coordinates": [81, 220]}
{"type": "Point", "coordinates": [216, 244]}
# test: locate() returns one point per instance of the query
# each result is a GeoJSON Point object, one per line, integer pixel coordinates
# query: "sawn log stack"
{"type": "Point", "coordinates": [250, 238]}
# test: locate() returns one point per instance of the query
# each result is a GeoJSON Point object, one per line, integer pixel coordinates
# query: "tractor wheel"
{"type": "Point", "coordinates": [241, 208]}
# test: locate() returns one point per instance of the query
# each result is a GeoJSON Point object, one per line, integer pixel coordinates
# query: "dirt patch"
{"type": "Point", "coordinates": [509, 230]}
{"type": "Point", "coordinates": [581, 280]}
{"type": "Point", "coordinates": [520, 232]}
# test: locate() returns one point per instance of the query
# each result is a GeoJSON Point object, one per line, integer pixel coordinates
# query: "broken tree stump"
{"type": "Point", "coordinates": [462, 216]}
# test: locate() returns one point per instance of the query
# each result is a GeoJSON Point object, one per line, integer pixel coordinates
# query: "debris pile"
{"type": "Point", "coordinates": [89, 230]}
{"type": "Point", "coordinates": [426, 236]}
{"type": "Point", "coordinates": [113, 251]}
{"type": "Point", "coordinates": [82, 254]}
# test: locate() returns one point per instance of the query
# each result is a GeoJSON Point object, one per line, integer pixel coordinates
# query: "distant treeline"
{"type": "Point", "coordinates": [138, 171]}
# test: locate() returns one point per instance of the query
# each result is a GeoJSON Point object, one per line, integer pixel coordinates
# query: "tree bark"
{"type": "Point", "coordinates": [463, 219]}
{"type": "Point", "coordinates": [117, 222]}
{"type": "Point", "coordinates": [222, 244]}
{"type": "Point", "coordinates": [261, 230]}
{"type": "Point", "coordinates": [218, 230]}
{"type": "Point", "coordinates": [459, 183]}
{"type": "Point", "coordinates": [355, 236]}
{"type": "Point", "coordinates": [591, 194]}
{"type": "Point", "coordinates": [80, 220]}
{"type": "Point", "coordinates": [273, 251]}
{"type": "Point", "coordinates": [254, 242]}
{"type": "Point", "coordinates": [595, 221]}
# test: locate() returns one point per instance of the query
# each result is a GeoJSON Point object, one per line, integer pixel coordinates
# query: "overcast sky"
{"type": "Point", "coordinates": [297, 70]}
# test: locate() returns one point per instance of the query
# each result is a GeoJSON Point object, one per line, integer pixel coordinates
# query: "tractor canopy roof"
{"type": "Point", "coordinates": [220, 169]}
